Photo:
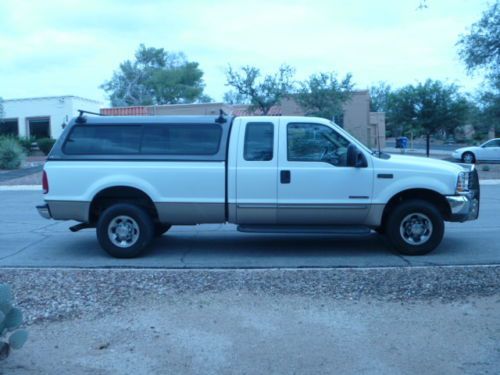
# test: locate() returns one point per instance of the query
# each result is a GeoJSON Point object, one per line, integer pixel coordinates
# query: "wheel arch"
{"type": "Point", "coordinates": [120, 194]}
{"type": "Point", "coordinates": [428, 195]}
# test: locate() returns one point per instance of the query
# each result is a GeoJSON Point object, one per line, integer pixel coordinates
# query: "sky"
{"type": "Point", "coordinates": [70, 47]}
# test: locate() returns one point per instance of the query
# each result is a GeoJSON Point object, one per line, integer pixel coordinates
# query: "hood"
{"type": "Point", "coordinates": [417, 163]}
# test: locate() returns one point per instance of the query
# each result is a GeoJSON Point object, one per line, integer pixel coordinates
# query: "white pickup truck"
{"type": "Point", "coordinates": [132, 178]}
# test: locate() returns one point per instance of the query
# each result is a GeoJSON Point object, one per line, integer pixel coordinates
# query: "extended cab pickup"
{"type": "Point", "coordinates": [131, 178]}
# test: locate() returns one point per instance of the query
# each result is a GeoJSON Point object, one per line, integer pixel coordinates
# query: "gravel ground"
{"type": "Point", "coordinates": [58, 294]}
{"type": "Point", "coordinates": [252, 324]}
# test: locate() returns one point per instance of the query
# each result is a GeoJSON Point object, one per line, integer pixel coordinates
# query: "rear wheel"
{"type": "Point", "coordinates": [468, 157]}
{"type": "Point", "coordinates": [415, 227]}
{"type": "Point", "coordinates": [124, 230]}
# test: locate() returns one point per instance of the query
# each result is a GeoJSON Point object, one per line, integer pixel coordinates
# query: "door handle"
{"type": "Point", "coordinates": [285, 177]}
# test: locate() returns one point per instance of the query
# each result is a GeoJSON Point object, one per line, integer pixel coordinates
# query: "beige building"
{"type": "Point", "coordinates": [368, 127]}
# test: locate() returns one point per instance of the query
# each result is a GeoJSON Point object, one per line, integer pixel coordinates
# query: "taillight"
{"type": "Point", "coordinates": [45, 183]}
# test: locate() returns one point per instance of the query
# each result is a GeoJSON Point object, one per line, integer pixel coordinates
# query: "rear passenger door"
{"type": "Point", "coordinates": [257, 172]}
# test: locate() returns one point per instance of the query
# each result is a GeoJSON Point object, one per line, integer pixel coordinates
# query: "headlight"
{"type": "Point", "coordinates": [463, 182]}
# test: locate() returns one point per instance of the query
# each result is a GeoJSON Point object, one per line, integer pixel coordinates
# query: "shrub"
{"type": "Point", "coordinates": [26, 143]}
{"type": "Point", "coordinates": [11, 319]}
{"type": "Point", "coordinates": [11, 153]}
{"type": "Point", "coordinates": [45, 144]}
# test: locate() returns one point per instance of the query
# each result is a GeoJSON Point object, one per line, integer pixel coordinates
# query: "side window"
{"type": "Point", "coordinates": [493, 143]}
{"type": "Point", "coordinates": [181, 139]}
{"type": "Point", "coordinates": [259, 141]}
{"type": "Point", "coordinates": [316, 142]}
{"type": "Point", "coordinates": [103, 140]}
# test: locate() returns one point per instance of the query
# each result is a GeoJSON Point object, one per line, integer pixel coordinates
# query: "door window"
{"type": "Point", "coordinates": [493, 143]}
{"type": "Point", "coordinates": [315, 142]}
{"type": "Point", "coordinates": [259, 141]}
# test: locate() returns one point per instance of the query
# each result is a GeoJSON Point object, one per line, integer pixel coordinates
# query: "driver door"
{"type": "Point", "coordinates": [314, 184]}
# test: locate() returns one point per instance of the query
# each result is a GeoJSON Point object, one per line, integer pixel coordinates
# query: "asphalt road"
{"type": "Point", "coordinates": [27, 240]}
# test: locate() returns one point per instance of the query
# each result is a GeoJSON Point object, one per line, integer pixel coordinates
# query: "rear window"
{"type": "Point", "coordinates": [182, 139]}
{"type": "Point", "coordinates": [104, 140]}
{"type": "Point", "coordinates": [168, 139]}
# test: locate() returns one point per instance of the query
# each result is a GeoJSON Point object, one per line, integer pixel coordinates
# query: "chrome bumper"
{"type": "Point", "coordinates": [44, 211]}
{"type": "Point", "coordinates": [463, 207]}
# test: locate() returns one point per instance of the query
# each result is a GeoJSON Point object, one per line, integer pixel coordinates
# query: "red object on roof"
{"type": "Point", "coordinates": [125, 111]}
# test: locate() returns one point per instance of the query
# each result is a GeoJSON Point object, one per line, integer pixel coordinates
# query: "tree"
{"type": "Point", "coordinates": [380, 96]}
{"type": "Point", "coordinates": [323, 95]}
{"type": "Point", "coordinates": [1, 108]}
{"type": "Point", "coordinates": [155, 76]}
{"type": "Point", "coordinates": [261, 93]}
{"type": "Point", "coordinates": [430, 106]}
{"type": "Point", "coordinates": [480, 49]}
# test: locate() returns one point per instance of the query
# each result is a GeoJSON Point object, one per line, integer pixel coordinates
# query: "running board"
{"type": "Point", "coordinates": [343, 230]}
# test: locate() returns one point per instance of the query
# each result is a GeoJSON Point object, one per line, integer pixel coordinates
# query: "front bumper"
{"type": "Point", "coordinates": [465, 207]}
{"type": "Point", "coordinates": [44, 211]}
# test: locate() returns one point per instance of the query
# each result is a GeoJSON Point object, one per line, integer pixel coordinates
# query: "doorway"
{"type": "Point", "coordinates": [38, 127]}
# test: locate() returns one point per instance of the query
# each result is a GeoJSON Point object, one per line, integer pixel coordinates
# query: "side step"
{"type": "Point", "coordinates": [341, 230]}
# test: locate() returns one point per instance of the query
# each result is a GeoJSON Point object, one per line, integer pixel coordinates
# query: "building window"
{"type": "Point", "coordinates": [39, 127]}
{"type": "Point", "coordinates": [9, 127]}
{"type": "Point", "coordinates": [259, 141]}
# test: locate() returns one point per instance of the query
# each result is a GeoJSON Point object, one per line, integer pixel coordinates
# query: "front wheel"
{"type": "Point", "coordinates": [124, 230]}
{"type": "Point", "coordinates": [415, 227]}
{"type": "Point", "coordinates": [468, 157]}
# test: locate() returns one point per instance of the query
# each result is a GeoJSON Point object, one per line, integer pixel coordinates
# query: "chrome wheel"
{"type": "Point", "coordinates": [468, 158]}
{"type": "Point", "coordinates": [416, 229]}
{"type": "Point", "coordinates": [123, 231]}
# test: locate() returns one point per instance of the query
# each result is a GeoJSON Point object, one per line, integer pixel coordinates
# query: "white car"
{"type": "Point", "coordinates": [488, 151]}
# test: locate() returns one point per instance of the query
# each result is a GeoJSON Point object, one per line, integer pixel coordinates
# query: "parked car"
{"type": "Point", "coordinates": [488, 151]}
{"type": "Point", "coordinates": [132, 178]}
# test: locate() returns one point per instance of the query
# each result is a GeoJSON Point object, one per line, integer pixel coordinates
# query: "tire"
{"type": "Point", "coordinates": [135, 224]}
{"type": "Point", "coordinates": [160, 229]}
{"type": "Point", "coordinates": [415, 227]}
{"type": "Point", "coordinates": [468, 157]}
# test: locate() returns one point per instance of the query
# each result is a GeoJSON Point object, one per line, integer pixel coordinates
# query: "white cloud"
{"type": "Point", "coordinates": [71, 47]}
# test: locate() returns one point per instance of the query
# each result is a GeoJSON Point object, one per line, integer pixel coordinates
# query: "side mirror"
{"type": "Point", "coordinates": [355, 158]}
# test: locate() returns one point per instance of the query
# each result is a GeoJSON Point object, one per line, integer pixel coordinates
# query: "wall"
{"type": "Point", "coordinates": [59, 110]}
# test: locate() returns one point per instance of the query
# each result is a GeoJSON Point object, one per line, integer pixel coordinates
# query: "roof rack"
{"type": "Point", "coordinates": [80, 119]}
{"type": "Point", "coordinates": [221, 119]}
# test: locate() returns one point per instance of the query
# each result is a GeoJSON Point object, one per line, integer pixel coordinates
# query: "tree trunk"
{"type": "Point", "coordinates": [428, 144]}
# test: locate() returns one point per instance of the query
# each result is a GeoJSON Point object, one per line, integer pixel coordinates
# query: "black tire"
{"type": "Point", "coordinates": [419, 212]}
{"type": "Point", "coordinates": [141, 236]}
{"type": "Point", "coordinates": [467, 155]}
{"type": "Point", "coordinates": [160, 229]}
